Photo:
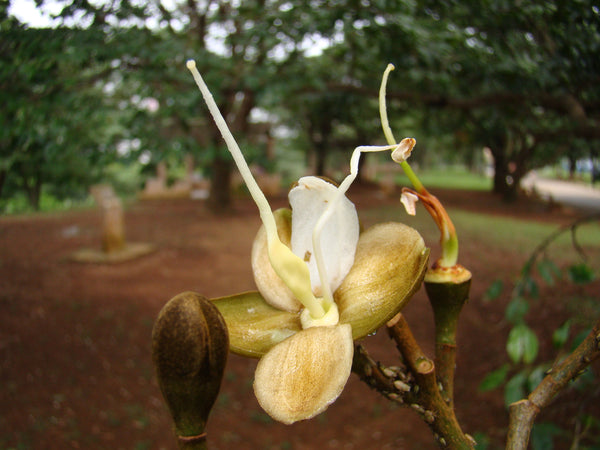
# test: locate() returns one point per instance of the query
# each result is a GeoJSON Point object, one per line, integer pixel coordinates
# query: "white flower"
{"type": "Point", "coordinates": [319, 288]}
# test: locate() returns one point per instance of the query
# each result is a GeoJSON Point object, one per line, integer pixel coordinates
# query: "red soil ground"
{"type": "Point", "coordinates": [75, 358]}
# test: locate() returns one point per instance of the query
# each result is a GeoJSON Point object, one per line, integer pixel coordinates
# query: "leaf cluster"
{"type": "Point", "coordinates": [524, 372]}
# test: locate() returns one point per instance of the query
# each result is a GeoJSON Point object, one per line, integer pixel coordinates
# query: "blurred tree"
{"type": "Point", "coordinates": [57, 123]}
{"type": "Point", "coordinates": [520, 79]}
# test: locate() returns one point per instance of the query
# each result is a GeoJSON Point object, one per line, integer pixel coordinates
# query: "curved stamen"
{"type": "Point", "coordinates": [385, 124]}
{"type": "Point", "coordinates": [341, 190]}
{"type": "Point", "coordinates": [289, 267]}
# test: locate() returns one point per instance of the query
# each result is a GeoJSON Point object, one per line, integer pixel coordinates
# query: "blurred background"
{"type": "Point", "coordinates": [97, 91]}
{"type": "Point", "coordinates": [96, 104]}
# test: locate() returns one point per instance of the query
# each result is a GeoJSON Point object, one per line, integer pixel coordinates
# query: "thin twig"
{"type": "Point", "coordinates": [391, 382]}
{"type": "Point", "coordinates": [428, 401]}
{"type": "Point", "coordinates": [572, 227]}
{"type": "Point", "coordinates": [524, 412]}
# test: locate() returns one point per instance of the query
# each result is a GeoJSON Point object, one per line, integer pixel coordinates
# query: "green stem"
{"type": "Point", "coordinates": [412, 177]}
{"type": "Point", "coordinates": [447, 297]}
{"type": "Point", "coordinates": [449, 251]}
{"type": "Point", "coordinates": [387, 131]}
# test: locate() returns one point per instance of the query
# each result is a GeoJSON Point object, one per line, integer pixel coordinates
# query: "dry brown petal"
{"type": "Point", "coordinates": [391, 260]}
{"type": "Point", "coordinates": [300, 377]}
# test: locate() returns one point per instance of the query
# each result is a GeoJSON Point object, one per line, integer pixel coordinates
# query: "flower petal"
{"type": "Point", "coordinates": [254, 326]}
{"type": "Point", "coordinates": [272, 288]}
{"type": "Point", "coordinates": [300, 377]}
{"type": "Point", "coordinates": [391, 260]}
{"type": "Point", "coordinates": [309, 199]}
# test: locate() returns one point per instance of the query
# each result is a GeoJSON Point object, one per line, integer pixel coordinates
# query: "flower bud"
{"type": "Point", "coordinates": [189, 349]}
{"type": "Point", "coordinates": [390, 262]}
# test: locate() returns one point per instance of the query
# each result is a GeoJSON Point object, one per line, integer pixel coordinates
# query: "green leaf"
{"type": "Point", "coordinates": [494, 291]}
{"type": "Point", "coordinates": [542, 436]}
{"type": "Point", "coordinates": [548, 270]}
{"type": "Point", "coordinates": [531, 288]}
{"type": "Point", "coordinates": [561, 334]}
{"type": "Point", "coordinates": [515, 388]}
{"type": "Point", "coordinates": [522, 343]}
{"type": "Point", "coordinates": [536, 376]}
{"type": "Point", "coordinates": [494, 379]}
{"type": "Point", "coordinates": [516, 310]}
{"type": "Point", "coordinates": [579, 337]}
{"type": "Point", "coordinates": [483, 441]}
{"type": "Point", "coordinates": [581, 273]}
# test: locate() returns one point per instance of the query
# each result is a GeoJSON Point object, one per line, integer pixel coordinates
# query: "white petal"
{"type": "Point", "coordinates": [301, 376]}
{"type": "Point", "coordinates": [409, 200]}
{"type": "Point", "coordinates": [308, 200]}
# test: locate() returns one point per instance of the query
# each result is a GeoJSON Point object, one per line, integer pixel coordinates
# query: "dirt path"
{"type": "Point", "coordinates": [75, 365]}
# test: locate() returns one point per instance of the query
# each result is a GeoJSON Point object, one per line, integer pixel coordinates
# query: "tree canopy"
{"type": "Point", "coordinates": [521, 79]}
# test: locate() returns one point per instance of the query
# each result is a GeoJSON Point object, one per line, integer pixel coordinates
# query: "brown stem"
{"type": "Point", "coordinates": [391, 382]}
{"type": "Point", "coordinates": [523, 413]}
{"type": "Point", "coordinates": [429, 402]}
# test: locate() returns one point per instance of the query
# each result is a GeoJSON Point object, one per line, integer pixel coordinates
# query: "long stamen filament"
{"type": "Point", "coordinates": [289, 267]}
{"type": "Point", "coordinates": [448, 239]}
{"type": "Point", "coordinates": [387, 131]}
{"type": "Point", "coordinates": [341, 190]}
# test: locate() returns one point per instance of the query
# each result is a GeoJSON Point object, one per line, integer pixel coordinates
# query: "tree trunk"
{"type": "Point", "coordinates": [32, 184]}
{"type": "Point", "coordinates": [220, 191]}
{"type": "Point", "coordinates": [500, 172]}
{"type": "Point", "coordinates": [3, 174]}
{"type": "Point", "coordinates": [321, 152]}
{"type": "Point", "coordinates": [34, 192]}
{"type": "Point", "coordinates": [506, 184]}
{"type": "Point", "coordinates": [572, 165]}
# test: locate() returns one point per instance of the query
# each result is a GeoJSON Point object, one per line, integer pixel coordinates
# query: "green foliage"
{"type": "Point", "coordinates": [513, 79]}
{"type": "Point", "coordinates": [548, 270]}
{"type": "Point", "coordinates": [483, 441]}
{"type": "Point", "coordinates": [561, 334]}
{"type": "Point", "coordinates": [523, 373]}
{"type": "Point", "coordinates": [515, 388]}
{"type": "Point", "coordinates": [542, 435]}
{"type": "Point", "coordinates": [516, 310]}
{"type": "Point", "coordinates": [58, 123]}
{"type": "Point", "coordinates": [522, 344]}
{"type": "Point", "coordinates": [494, 379]}
{"type": "Point", "coordinates": [581, 273]}
{"type": "Point", "coordinates": [493, 291]}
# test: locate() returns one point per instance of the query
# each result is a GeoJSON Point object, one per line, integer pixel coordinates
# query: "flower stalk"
{"type": "Point", "coordinates": [428, 400]}
{"type": "Point", "coordinates": [448, 238]}
{"type": "Point", "coordinates": [447, 296]}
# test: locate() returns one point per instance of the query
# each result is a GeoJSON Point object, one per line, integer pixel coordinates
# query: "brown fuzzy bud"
{"type": "Point", "coordinates": [189, 347]}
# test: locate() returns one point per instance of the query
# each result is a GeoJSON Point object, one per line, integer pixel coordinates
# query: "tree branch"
{"type": "Point", "coordinates": [523, 413]}
{"type": "Point", "coordinates": [428, 401]}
